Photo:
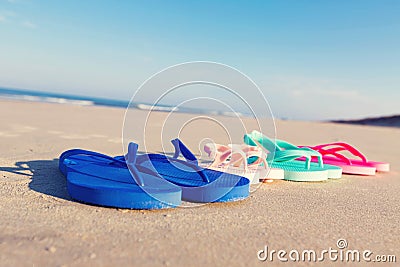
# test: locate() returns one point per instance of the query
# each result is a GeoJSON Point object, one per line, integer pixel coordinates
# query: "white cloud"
{"type": "Point", "coordinates": [2, 18]}
{"type": "Point", "coordinates": [29, 24]}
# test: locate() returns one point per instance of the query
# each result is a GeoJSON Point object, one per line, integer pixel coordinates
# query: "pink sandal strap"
{"type": "Point", "coordinates": [238, 154]}
{"type": "Point", "coordinates": [336, 155]}
{"type": "Point", "coordinates": [339, 146]}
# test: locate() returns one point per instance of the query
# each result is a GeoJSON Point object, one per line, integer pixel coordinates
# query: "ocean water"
{"type": "Point", "coordinates": [35, 96]}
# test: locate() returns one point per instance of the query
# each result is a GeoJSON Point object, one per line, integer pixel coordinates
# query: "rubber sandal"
{"type": "Point", "coordinates": [361, 166]}
{"type": "Point", "coordinates": [105, 181]}
{"type": "Point", "coordinates": [334, 172]}
{"type": "Point", "coordinates": [285, 159]}
{"type": "Point", "coordinates": [234, 159]}
{"type": "Point", "coordinates": [198, 184]}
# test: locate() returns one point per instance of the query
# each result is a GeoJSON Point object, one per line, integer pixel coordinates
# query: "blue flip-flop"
{"type": "Point", "coordinates": [198, 184]}
{"type": "Point", "coordinates": [106, 181]}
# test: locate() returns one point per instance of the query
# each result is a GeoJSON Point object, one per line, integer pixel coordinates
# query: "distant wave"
{"type": "Point", "coordinates": [48, 100]}
{"type": "Point", "coordinates": [156, 108]}
{"type": "Point", "coordinates": [34, 96]}
{"type": "Point", "coordinates": [68, 101]}
{"type": "Point", "coordinates": [232, 114]}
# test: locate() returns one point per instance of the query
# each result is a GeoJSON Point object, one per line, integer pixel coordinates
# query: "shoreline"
{"type": "Point", "coordinates": [21, 95]}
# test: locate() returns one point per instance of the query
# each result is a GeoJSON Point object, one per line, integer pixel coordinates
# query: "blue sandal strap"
{"type": "Point", "coordinates": [181, 149]}
{"type": "Point", "coordinates": [74, 152]}
{"type": "Point", "coordinates": [131, 157]}
{"type": "Point", "coordinates": [131, 160]}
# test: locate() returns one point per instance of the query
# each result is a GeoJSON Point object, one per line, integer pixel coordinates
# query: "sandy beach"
{"type": "Point", "coordinates": [42, 226]}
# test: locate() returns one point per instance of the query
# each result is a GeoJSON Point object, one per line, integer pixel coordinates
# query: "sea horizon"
{"type": "Point", "coordinates": [19, 94]}
{"type": "Point", "coordinates": [58, 98]}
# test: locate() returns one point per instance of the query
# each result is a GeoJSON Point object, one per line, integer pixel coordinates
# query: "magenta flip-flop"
{"type": "Point", "coordinates": [361, 166]}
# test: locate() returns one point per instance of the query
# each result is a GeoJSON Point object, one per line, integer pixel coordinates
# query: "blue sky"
{"type": "Point", "coordinates": [312, 59]}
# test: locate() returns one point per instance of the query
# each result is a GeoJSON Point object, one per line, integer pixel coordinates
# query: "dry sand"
{"type": "Point", "coordinates": [42, 226]}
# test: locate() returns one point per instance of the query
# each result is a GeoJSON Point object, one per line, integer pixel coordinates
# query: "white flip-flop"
{"type": "Point", "coordinates": [234, 159]}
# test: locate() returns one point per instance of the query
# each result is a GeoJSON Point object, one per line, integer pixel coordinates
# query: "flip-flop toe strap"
{"type": "Point", "coordinates": [75, 152]}
{"type": "Point", "coordinates": [284, 151]}
{"type": "Point", "coordinates": [235, 155]}
{"type": "Point", "coordinates": [130, 160]}
{"type": "Point", "coordinates": [191, 160]}
{"type": "Point", "coordinates": [337, 147]}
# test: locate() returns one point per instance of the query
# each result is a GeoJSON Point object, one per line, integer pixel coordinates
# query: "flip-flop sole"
{"type": "Point", "coordinates": [87, 189]}
{"type": "Point", "coordinates": [100, 184]}
{"type": "Point", "coordinates": [380, 166]}
{"type": "Point", "coordinates": [358, 165]}
{"type": "Point", "coordinates": [255, 175]}
{"type": "Point", "coordinates": [275, 174]}
{"type": "Point", "coordinates": [354, 168]}
{"type": "Point", "coordinates": [297, 172]}
{"type": "Point", "coordinates": [334, 171]}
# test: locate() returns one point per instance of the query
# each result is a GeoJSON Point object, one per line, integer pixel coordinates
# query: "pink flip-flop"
{"type": "Point", "coordinates": [360, 166]}
{"type": "Point", "coordinates": [234, 159]}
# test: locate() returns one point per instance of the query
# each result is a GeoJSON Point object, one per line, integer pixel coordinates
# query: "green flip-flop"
{"type": "Point", "coordinates": [283, 155]}
{"type": "Point", "coordinates": [334, 172]}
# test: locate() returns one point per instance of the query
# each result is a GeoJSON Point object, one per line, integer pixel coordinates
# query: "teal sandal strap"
{"type": "Point", "coordinates": [284, 151]}
{"type": "Point", "coordinates": [255, 137]}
